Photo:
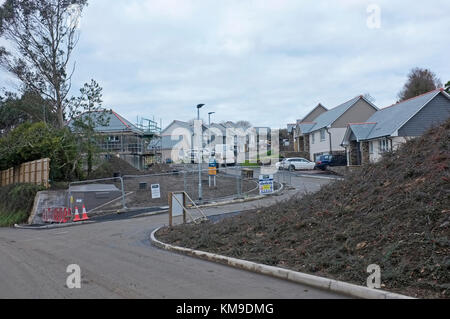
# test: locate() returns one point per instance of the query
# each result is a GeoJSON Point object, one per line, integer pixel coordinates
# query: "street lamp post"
{"type": "Point", "coordinates": [199, 106]}
{"type": "Point", "coordinates": [209, 117]}
{"type": "Point", "coordinates": [210, 146]}
{"type": "Point", "coordinates": [209, 127]}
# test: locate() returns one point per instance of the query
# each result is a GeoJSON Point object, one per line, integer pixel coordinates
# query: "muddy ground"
{"type": "Point", "coordinates": [140, 196]}
{"type": "Point", "coordinates": [115, 165]}
{"type": "Point", "coordinates": [226, 186]}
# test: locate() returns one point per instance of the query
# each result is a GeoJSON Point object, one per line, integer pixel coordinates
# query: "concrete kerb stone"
{"type": "Point", "coordinates": [53, 226]}
{"type": "Point", "coordinates": [290, 275]}
{"type": "Point", "coordinates": [159, 212]}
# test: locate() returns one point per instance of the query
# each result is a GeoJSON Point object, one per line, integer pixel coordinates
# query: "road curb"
{"type": "Point", "coordinates": [159, 212]}
{"type": "Point", "coordinates": [54, 226]}
{"type": "Point", "coordinates": [293, 276]}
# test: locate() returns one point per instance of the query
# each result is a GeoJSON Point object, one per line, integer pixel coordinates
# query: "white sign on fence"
{"type": "Point", "coordinates": [265, 184]}
{"type": "Point", "coordinates": [156, 191]}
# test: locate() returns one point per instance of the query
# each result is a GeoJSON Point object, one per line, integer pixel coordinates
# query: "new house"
{"type": "Point", "coordinates": [289, 144]}
{"type": "Point", "coordinates": [392, 126]}
{"type": "Point", "coordinates": [122, 138]}
{"type": "Point", "coordinates": [301, 143]}
{"type": "Point", "coordinates": [324, 134]}
{"type": "Point", "coordinates": [177, 139]}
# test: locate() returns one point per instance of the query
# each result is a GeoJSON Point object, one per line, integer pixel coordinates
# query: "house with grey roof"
{"type": "Point", "coordinates": [290, 128]}
{"type": "Point", "coordinates": [392, 126]}
{"type": "Point", "coordinates": [301, 143]}
{"type": "Point", "coordinates": [289, 144]}
{"type": "Point", "coordinates": [324, 133]}
{"type": "Point", "coordinates": [122, 138]}
{"type": "Point", "coordinates": [178, 141]}
{"type": "Point", "coordinates": [217, 134]}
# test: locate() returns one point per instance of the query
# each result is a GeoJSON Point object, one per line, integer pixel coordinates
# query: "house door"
{"type": "Point", "coordinates": [355, 153]}
{"type": "Point", "coordinates": [358, 153]}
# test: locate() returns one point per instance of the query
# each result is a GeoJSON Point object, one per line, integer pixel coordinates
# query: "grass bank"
{"type": "Point", "coordinates": [394, 213]}
{"type": "Point", "coordinates": [16, 202]}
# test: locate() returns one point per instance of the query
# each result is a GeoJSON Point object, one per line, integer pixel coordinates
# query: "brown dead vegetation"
{"type": "Point", "coordinates": [395, 213]}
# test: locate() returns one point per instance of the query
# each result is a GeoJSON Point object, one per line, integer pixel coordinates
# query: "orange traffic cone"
{"type": "Point", "coordinates": [84, 216]}
{"type": "Point", "coordinates": [77, 215]}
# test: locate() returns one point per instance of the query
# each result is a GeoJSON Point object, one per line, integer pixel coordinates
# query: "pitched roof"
{"type": "Point", "coordinates": [317, 106]}
{"type": "Point", "coordinates": [290, 127]}
{"type": "Point", "coordinates": [220, 127]}
{"type": "Point", "coordinates": [390, 119]}
{"type": "Point", "coordinates": [306, 127]}
{"type": "Point", "coordinates": [116, 123]}
{"type": "Point", "coordinates": [186, 125]}
{"type": "Point", "coordinates": [330, 116]}
{"type": "Point", "coordinates": [361, 130]}
{"type": "Point", "coordinates": [179, 123]}
{"type": "Point", "coordinates": [165, 142]}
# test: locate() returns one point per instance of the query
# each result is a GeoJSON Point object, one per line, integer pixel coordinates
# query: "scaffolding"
{"type": "Point", "coordinates": [149, 127]}
{"type": "Point", "coordinates": [152, 132]}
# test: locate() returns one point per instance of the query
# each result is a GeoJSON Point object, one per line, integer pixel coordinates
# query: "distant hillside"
{"type": "Point", "coordinates": [395, 213]}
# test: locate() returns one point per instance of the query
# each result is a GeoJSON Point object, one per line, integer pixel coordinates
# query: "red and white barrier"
{"type": "Point", "coordinates": [60, 215]}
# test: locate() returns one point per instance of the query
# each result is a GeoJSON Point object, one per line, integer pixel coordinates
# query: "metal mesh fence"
{"type": "Point", "coordinates": [106, 194]}
{"type": "Point", "coordinates": [226, 186]}
{"type": "Point", "coordinates": [279, 176]}
{"type": "Point", "coordinates": [103, 196]}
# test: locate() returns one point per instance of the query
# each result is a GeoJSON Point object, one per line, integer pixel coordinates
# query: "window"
{"type": "Point", "coordinates": [322, 135]}
{"type": "Point", "coordinates": [313, 138]}
{"type": "Point", "coordinates": [371, 147]}
{"type": "Point", "coordinates": [383, 145]}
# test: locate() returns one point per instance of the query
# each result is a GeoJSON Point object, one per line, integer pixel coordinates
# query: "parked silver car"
{"type": "Point", "coordinates": [295, 163]}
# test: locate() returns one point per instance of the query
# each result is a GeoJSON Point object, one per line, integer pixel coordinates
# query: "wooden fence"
{"type": "Point", "coordinates": [36, 172]}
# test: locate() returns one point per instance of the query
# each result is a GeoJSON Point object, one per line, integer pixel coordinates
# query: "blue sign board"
{"type": "Point", "coordinates": [266, 184]}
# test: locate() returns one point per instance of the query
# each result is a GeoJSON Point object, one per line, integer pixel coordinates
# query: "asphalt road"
{"type": "Point", "coordinates": [118, 261]}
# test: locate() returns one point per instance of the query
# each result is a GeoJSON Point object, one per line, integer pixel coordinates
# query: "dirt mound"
{"type": "Point", "coordinates": [117, 165]}
{"type": "Point", "coordinates": [395, 213]}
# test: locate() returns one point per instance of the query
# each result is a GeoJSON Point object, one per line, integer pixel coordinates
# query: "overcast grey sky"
{"type": "Point", "coordinates": [266, 61]}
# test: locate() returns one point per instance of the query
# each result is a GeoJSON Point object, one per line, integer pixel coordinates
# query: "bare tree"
{"type": "Point", "coordinates": [419, 81]}
{"type": "Point", "coordinates": [243, 124]}
{"type": "Point", "coordinates": [43, 35]}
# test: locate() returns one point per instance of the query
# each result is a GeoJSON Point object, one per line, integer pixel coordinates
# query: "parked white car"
{"type": "Point", "coordinates": [296, 163]}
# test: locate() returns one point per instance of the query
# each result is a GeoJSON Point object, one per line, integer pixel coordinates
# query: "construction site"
{"type": "Point", "coordinates": [138, 144]}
